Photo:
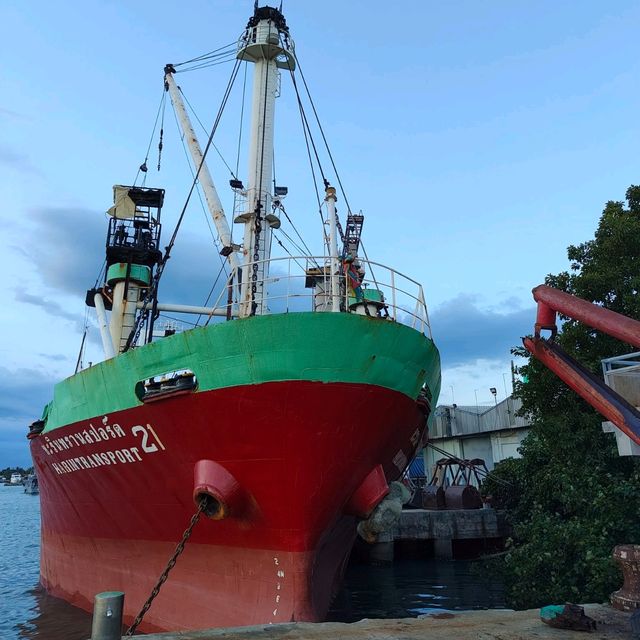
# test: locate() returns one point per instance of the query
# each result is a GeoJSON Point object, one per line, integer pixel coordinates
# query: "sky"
{"type": "Point", "coordinates": [479, 140]}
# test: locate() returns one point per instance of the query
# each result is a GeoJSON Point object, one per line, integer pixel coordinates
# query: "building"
{"type": "Point", "coordinates": [622, 374]}
{"type": "Point", "coordinates": [491, 433]}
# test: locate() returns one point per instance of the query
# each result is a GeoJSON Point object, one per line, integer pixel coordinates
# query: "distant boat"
{"type": "Point", "coordinates": [16, 478]}
{"type": "Point", "coordinates": [31, 484]}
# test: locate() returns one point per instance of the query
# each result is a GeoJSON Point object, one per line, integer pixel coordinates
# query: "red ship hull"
{"type": "Point", "coordinates": [114, 509]}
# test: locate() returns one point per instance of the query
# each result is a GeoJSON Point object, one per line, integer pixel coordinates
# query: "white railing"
{"type": "Point", "coordinates": [621, 364]}
{"type": "Point", "coordinates": [303, 283]}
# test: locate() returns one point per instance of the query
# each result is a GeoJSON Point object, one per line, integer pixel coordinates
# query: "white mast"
{"type": "Point", "coordinates": [211, 195]}
{"type": "Point", "coordinates": [103, 325]}
{"type": "Point", "coordinates": [266, 43]}
{"type": "Point", "coordinates": [333, 248]}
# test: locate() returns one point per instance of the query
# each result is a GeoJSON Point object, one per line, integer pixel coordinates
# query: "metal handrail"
{"type": "Point", "coordinates": [620, 363]}
{"type": "Point", "coordinates": [402, 297]}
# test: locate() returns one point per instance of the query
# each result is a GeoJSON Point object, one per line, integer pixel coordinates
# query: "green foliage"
{"type": "Point", "coordinates": [5, 474]}
{"type": "Point", "coordinates": [572, 498]}
{"type": "Point", "coordinates": [505, 485]}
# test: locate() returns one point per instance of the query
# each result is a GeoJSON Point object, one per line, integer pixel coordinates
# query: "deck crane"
{"type": "Point", "coordinates": [589, 387]}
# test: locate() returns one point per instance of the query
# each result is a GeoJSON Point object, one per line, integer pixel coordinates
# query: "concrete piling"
{"type": "Point", "coordinates": [107, 616]}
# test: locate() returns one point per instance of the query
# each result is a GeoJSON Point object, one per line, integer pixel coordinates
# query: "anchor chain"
{"type": "Point", "coordinates": [165, 574]}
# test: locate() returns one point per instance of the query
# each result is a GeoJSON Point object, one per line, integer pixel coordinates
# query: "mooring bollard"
{"type": "Point", "coordinates": [107, 616]}
{"type": "Point", "coordinates": [627, 598]}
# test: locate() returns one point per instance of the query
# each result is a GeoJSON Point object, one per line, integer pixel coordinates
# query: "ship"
{"type": "Point", "coordinates": [279, 425]}
{"type": "Point", "coordinates": [31, 484]}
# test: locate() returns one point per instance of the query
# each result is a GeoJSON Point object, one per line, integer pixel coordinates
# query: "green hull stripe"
{"type": "Point", "coordinates": [322, 347]}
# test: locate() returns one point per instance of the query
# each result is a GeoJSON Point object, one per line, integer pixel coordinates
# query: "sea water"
{"type": "Point", "coordinates": [408, 587]}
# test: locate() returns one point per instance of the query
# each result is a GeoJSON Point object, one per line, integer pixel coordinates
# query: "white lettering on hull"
{"type": "Point", "coordinates": [145, 436]}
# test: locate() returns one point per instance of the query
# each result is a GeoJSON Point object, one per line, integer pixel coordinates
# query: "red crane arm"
{"type": "Point", "coordinates": [614, 324]}
{"type": "Point", "coordinates": [590, 388]}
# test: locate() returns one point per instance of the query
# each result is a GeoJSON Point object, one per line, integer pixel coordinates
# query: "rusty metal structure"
{"type": "Point", "coordinates": [455, 484]}
{"type": "Point", "coordinates": [589, 387]}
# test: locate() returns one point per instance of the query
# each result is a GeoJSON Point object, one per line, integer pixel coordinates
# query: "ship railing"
{"type": "Point", "coordinates": [303, 283]}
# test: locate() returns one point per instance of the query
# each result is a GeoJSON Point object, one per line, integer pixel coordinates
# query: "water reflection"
{"type": "Point", "coordinates": [53, 619]}
{"type": "Point", "coordinates": [409, 588]}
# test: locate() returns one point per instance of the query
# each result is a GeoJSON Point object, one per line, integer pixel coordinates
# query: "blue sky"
{"type": "Point", "coordinates": [479, 139]}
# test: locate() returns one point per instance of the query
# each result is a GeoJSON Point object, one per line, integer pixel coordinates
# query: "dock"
{"type": "Point", "coordinates": [468, 625]}
{"type": "Point", "coordinates": [442, 528]}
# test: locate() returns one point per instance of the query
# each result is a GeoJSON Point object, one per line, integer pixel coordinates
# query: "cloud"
{"type": "Point", "coordinates": [465, 333]}
{"type": "Point", "coordinates": [23, 395]}
{"type": "Point", "coordinates": [69, 246]}
{"type": "Point", "coordinates": [17, 161]}
{"type": "Point", "coordinates": [191, 272]}
{"type": "Point", "coordinates": [50, 306]}
{"type": "Point", "coordinates": [55, 357]}
{"type": "Point", "coordinates": [14, 446]}
{"type": "Point", "coordinates": [14, 115]}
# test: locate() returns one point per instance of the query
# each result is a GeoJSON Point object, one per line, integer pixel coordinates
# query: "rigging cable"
{"type": "Point", "coordinates": [221, 55]}
{"type": "Point", "coordinates": [304, 244]}
{"type": "Point", "coordinates": [160, 142]}
{"type": "Point", "coordinates": [179, 320]}
{"type": "Point", "coordinates": [326, 144]}
{"type": "Point", "coordinates": [210, 54]}
{"type": "Point", "coordinates": [226, 164]}
{"type": "Point", "coordinates": [229, 58]}
{"type": "Point", "coordinates": [143, 167]}
{"type": "Point", "coordinates": [202, 205]}
{"type": "Point", "coordinates": [366, 257]}
{"type": "Point", "coordinates": [309, 137]}
{"type": "Point", "coordinates": [296, 246]}
{"type": "Point", "coordinates": [306, 121]}
{"type": "Point", "coordinates": [213, 286]}
{"type": "Point", "coordinates": [344, 195]}
{"type": "Point", "coordinates": [280, 206]}
{"type": "Point", "coordinates": [244, 93]}
{"type": "Point", "coordinates": [152, 290]}
{"type": "Point", "coordinates": [82, 342]}
{"type": "Point", "coordinates": [287, 250]}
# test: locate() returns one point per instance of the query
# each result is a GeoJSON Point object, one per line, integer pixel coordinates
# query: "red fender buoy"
{"type": "Point", "coordinates": [367, 496]}
{"type": "Point", "coordinates": [223, 493]}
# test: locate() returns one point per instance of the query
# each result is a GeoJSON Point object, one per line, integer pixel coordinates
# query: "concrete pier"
{"type": "Point", "coordinates": [443, 528]}
{"type": "Point", "coordinates": [467, 625]}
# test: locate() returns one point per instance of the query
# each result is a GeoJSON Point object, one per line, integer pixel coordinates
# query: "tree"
{"type": "Point", "coordinates": [576, 498]}
{"type": "Point", "coordinates": [5, 474]}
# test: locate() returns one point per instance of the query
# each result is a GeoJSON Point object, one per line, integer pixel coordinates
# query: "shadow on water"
{"type": "Point", "coordinates": [26, 611]}
{"type": "Point", "coordinates": [411, 587]}
{"type": "Point", "coordinates": [53, 619]}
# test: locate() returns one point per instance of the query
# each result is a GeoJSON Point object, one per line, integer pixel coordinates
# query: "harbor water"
{"type": "Point", "coordinates": [408, 587]}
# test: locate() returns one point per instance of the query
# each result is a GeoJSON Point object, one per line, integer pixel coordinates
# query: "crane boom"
{"type": "Point", "coordinates": [590, 388]}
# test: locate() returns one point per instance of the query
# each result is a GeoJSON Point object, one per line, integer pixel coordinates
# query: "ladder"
{"type": "Point", "coordinates": [351, 241]}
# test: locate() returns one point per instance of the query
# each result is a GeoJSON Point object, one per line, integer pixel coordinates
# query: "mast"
{"type": "Point", "coordinates": [333, 248]}
{"type": "Point", "coordinates": [210, 193]}
{"type": "Point", "coordinates": [266, 43]}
